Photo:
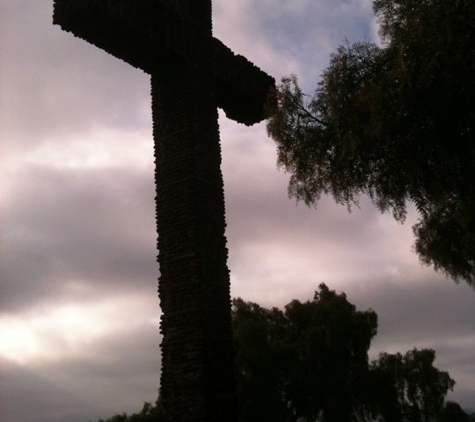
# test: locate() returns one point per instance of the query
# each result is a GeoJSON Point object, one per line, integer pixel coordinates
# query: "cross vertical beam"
{"type": "Point", "coordinates": [197, 380]}
{"type": "Point", "coordinates": [192, 74]}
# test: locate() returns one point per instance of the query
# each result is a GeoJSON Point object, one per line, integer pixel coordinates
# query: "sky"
{"type": "Point", "coordinates": [79, 310]}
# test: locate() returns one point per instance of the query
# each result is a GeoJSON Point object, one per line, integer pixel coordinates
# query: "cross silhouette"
{"type": "Point", "coordinates": [192, 73]}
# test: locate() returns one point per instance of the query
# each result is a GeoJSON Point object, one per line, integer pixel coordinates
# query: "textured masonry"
{"type": "Point", "coordinates": [192, 74]}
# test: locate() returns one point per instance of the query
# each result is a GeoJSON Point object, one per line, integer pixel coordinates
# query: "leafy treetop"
{"type": "Point", "coordinates": [397, 123]}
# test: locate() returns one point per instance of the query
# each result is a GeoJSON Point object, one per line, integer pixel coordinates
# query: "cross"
{"type": "Point", "coordinates": [192, 73]}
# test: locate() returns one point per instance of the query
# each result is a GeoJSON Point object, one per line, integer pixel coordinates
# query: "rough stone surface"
{"type": "Point", "coordinates": [192, 74]}
{"type": "Point", "coordinates": [197, 355]}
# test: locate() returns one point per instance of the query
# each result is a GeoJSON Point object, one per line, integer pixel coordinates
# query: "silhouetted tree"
{"type": "Point", "coordinates": [395, 122]}
{"type": "Point", "coordinates": [454, 413]}
{"type": "Point", "coordinates": [408, 388]}
{"type": "Point", "coordinates": [262, 353]}
{"type": "Point", "coordinates": [309, 362]}
{"type": "Point", "coordinates": [149, 413]}
{"type": "Point", "coordinates": [304, 362]}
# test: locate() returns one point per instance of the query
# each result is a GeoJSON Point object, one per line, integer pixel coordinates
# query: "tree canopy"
{"type": "Point", "coordinates": [395, 122]}
{"type": "Point", "coordinates": [149, 413]}
{"type": "Point", "coordinates": [408, 387]}
{"type": "Point", "coordinates": [309, 362]}
{"type": "Point", "coordinates": [308, 359]}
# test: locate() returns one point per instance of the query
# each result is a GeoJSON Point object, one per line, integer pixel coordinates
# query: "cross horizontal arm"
{"type": "Point", "coordinates": [242, 89]}
{"type": "Point", "coordinates": [148, 34]}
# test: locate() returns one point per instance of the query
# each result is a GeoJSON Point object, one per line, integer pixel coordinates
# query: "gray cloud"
{"type": "Point", "coordinates": [54, 85]}
{"type": "Point", "coordinates": [433, 314]}
{"type": "Point", "coordinates": [67, 226]}
{"type": "Point", "coordinates": [116, 374]}
{"type": "Point", "coordinates": [307, 30]}
{"type": "Point", "coordinates": [27, 396]}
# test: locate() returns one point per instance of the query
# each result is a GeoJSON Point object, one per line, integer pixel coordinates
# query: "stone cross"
{"type": "Point", "coordinates": [192, 74]}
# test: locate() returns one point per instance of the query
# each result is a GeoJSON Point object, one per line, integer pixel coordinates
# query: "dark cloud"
{"type": "Point", "coordinates": [54, 85]}
{"type": "Point", "coordinates": [66, 226]}
{"type": "Point", "coordinates": [436, 315]}
{"type": "Point", "coordinates": [27, 396]}
{"type": "Point", "coordinates": [430, 311]}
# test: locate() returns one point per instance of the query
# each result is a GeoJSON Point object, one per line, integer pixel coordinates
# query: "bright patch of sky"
{"type": "Point", "coordinates": [53, 333]}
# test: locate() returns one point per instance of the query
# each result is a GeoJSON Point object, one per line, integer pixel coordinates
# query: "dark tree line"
{"type": "Point", "coordinates": [396, 123]}
{"type": "Point", "coordinates": [309, 362]}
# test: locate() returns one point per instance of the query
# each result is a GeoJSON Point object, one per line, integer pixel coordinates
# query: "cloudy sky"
{"type": "Point", "coordinates": [78, 275]}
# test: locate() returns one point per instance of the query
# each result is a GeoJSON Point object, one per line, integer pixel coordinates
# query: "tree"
{"type": "Point", "coordinates": [397, 123]}
{"type": "Point", "coordinates": [261, 353]}
{"type": "Point", "coordinates": [454, 413]}
{"type": "Point", "coordinates": [310, 362]}
{"type": "Point", "coordinates": [408, 388]}
{"type": "Point", "coordinates": [304, 362]}
{"type": "Point", "coordinates": [149, 413]}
